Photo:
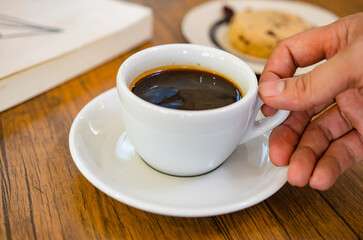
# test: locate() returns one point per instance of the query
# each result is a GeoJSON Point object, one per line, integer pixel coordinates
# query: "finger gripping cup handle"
{"type": "Point", "coordinates": [259, 127]}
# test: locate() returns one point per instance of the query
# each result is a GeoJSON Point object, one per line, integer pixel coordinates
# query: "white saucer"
{"type": "Point", "coordinates": [198, 21]}
{"type": "Point", "coordinates": [102, 152]}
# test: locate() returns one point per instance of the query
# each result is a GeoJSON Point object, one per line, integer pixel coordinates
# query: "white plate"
{"type": "Point", "coordinates": [102, 152]}
{"type": "Point", "coordinates": [197, 23]}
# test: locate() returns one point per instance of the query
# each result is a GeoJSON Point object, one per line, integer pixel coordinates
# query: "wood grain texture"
{"type": "Point", "coordinates": [44, 196]}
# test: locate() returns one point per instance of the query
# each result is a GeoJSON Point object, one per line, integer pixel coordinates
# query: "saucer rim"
{"type": "Point", "coordinates": [100, 182]}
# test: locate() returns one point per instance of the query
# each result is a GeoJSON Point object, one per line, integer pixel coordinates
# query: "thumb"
{"type": "Point", "coordinates": [321, 85]}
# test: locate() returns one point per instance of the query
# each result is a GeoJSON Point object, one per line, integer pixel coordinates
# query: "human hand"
{"type": "Point", "coordinates": [317, 150]}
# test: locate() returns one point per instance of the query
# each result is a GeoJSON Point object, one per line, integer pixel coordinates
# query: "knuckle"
{"type": "Point", "coordinates": [347, 155]}
{"type": "Point", "coordinates": [304, 90]}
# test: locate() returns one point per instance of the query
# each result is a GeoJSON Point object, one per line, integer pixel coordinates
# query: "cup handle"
{"type": "Point", "coordinates": [259, 127]}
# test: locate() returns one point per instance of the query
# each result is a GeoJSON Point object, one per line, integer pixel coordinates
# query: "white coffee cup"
{"type": "Point", "coordinates": [190, 142]}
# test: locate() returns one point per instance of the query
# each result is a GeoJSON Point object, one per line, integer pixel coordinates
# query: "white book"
{"type": "Point", "coordinates": [44, 43]}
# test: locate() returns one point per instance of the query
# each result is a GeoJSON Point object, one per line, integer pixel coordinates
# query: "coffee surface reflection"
{"type": "Point", "coordinates": [186, 88]}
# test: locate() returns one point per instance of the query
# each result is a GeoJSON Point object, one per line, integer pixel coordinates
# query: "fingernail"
{"type": "Point", "coordinates": [271, 88]}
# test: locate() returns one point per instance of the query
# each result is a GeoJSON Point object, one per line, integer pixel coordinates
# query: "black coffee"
{"type": "Point", "coordinates": [186, 89]}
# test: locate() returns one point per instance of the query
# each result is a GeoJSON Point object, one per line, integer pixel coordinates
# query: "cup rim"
{"type": "Point", "coordinates": [122, 87]}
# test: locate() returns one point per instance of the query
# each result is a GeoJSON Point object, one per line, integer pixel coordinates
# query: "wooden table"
{"type": "Point", "coordinates": [44, 196]}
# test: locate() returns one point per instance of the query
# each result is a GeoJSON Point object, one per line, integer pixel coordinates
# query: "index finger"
{"type": "Point", "coordinates": [300, 50]}
{"type": "Point", "coordinates": [305, 49]}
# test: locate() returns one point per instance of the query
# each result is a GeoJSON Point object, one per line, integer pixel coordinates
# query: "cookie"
{"type": "Point", "coordinates": [257, 33]}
